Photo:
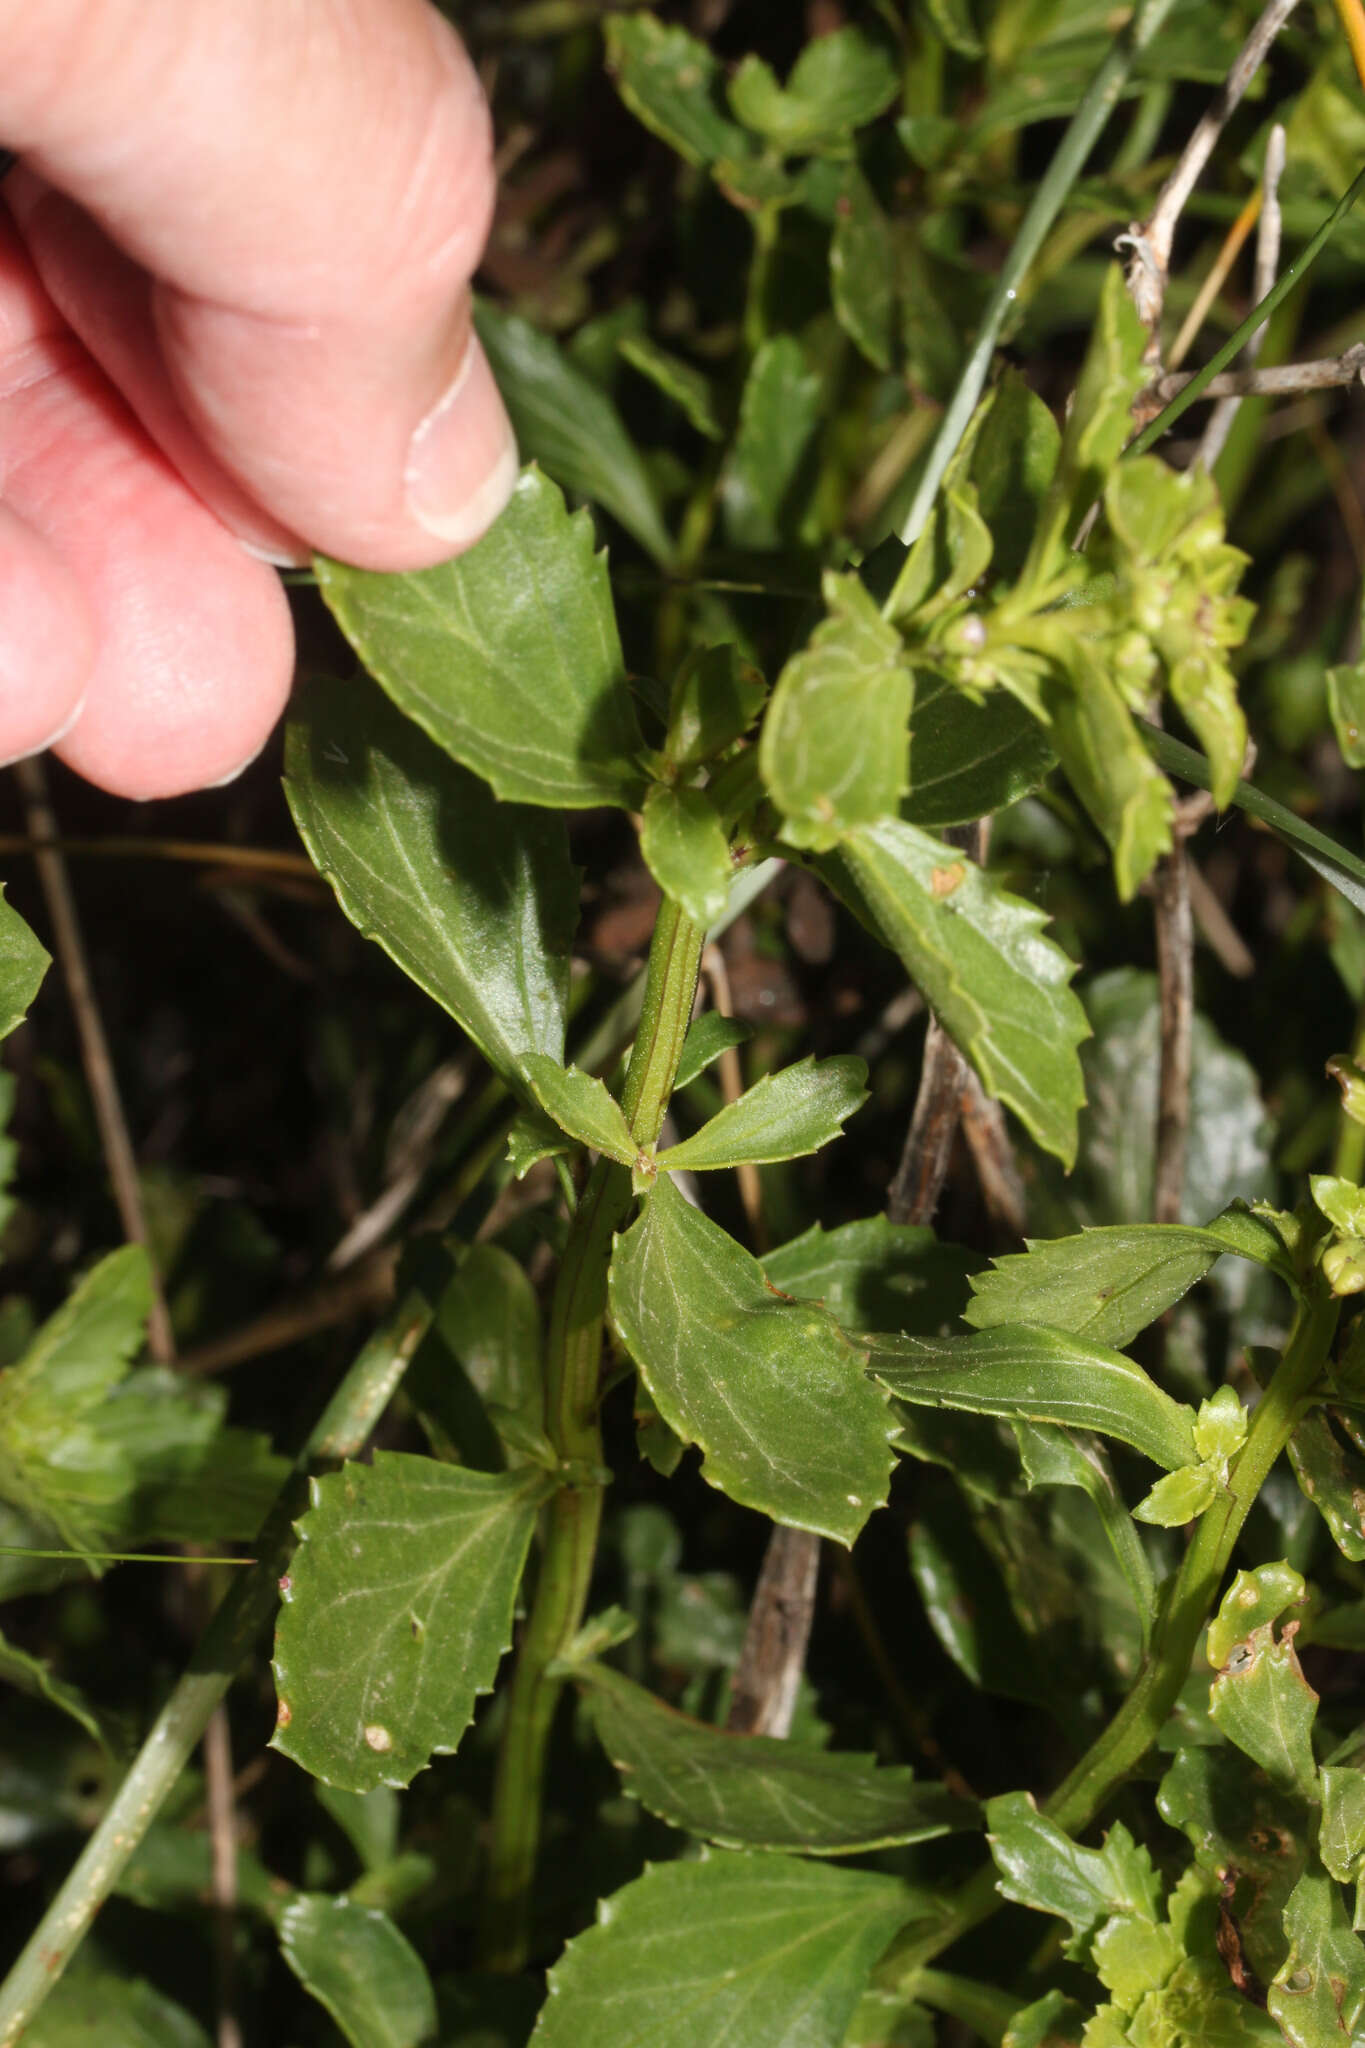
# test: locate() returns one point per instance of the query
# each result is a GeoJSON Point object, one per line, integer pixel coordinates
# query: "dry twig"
{"type": "Point", "coordinates": [69, 946]}
{"type": "Point", "coordinates": [1267, 263]}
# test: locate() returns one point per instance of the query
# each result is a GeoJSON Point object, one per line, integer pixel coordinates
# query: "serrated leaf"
{"type": "Point", "coordinates": [1039, 1376]}
{"type": "Point", "coordinates": [1262, 1702]}
{"type": "Point", "coordinates": [1042, 1867]}
{"type": "Point", "coordinates": [1098, 423]}
{"type": "Point", "coordinates": [862, 269]}
{"type": "Point", "coordinates": [839, 82]}
{"type": "Point", "coordinates": [23, 963]}
{"type": "Point", "coordinates": [531, 1138]}
{"type": "Point", "coordinates": [686, 849]}
{"type": "Point", "coordinates": [778, 415]}
{"type": "Point", "coordinates": [1318, 1996]}
{"type": "Point", "coordinates": [716, 697]}
{"type": "Point", "coordinates": [1178, 1498]}
{"type": "Point", "coordinates": [834, 747]}
{"type": "Point", "coordinates": [1253, 1599]}
{"type": "Point", "coordinates": [397, 1613]}
{"type": "Point", "coordinates": [968, 760]}
{"type": "Point", "coordinates": [767, 1950]}
{"type": "Point", "coordinates": [1110, 1283]}
{"type": "Point", "coordinates": [753, 1792]}
{"type": "Point", "coordinates": [783, 1116]}
{"type": "Point", "coordinates": [876, 1275]}
{"type": "Point", "coordinates": [771, 1390]}
{"type": "Point", "coordinates": [998, 987]}
{"type": "Point", "coordinates": [1108, 765]}
{"type": "Point", "coordinates": [672, 83]}
{"type": "Point", "coordinates": [475, 900]}
{"type": "Point", "coordinates": [355, 1962]}
{"type": "Point", "coordinates": [507, 656]}
{"type": "Point", "coordinates": [1248, 1835]}
{"type": "Point", "coordinates": [687, 386]}
{"type": "Point", "coordinates": [569, 426]}
{"type": "Point", "coordinates": [708, 1036]}
{"type": "Point", "coordinates": [583, 1106]}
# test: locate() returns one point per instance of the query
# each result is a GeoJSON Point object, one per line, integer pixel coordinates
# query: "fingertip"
{"type": "Point", "coordinates": [47, 642]}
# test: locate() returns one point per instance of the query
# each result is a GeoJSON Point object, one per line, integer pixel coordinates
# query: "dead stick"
{"type": "Point", "coordinates": [69, 946]}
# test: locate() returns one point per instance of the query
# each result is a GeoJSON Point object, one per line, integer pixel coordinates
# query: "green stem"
{"type": "Point", "coordinates": [1101, 96]}
{"type": "Point", "coordinates": [572, 1368]}
{"type": "Point", "coordinates": [348, 1419]}
{"type": "Point", "coordinates": [1175, 1637]}
{"type": "Point", "coordinates": [1348, 1156]}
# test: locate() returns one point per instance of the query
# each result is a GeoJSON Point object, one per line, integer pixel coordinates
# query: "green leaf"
{"type": "Point", "coordinates": [1341, 1202]}
{"type": "Point", "coordinates": [1346, 703]}
{"type": "Point", "coordinates": [1179, 1497]}
{"type": "Point", "coordinates": [1110, 768]}
{"type": "Point", "coordinates": [783, 1116]}
{"type": "Point", "coordinates": [968, 760]}
{"type": "Point", "coordinates": [1053, 2021]}
{"type": "Point", "coordinates": [688, 387]}
{"type": "Point", "coordinates": [1263, 1703]}
{"type": "Point", "coordinates": [998, 987]}
{"type": "Point", "coordinates": [1062, 1457]}
{"type": "Point", "coordinates": [767, 1950]}
{"type": "Point", "coordinates": [1098, 423]}
{"type": "Point", "coordinates": [1039, 1376]}
{"type": "Point", "coordinates": [23, 963]}
{"type": "Point", "coordinates": [582, 1105]}
{"type": "Point", "coordinates": [481, 1355]}
{"type": "Point", "coordinates": [1247, 1834]}
{"type": "Point", "coordinates": [835, 747]}
{"type": "Point", "coordinates": [708, 1036]}
{"type": "Point", "coordinates": [355, 1962]}
{"type": "Point", "coordinates": [862, 269]}
{"type": "Point", "coordinates": [508, 656]}
{"type": "Point", "coordinates": [716, 697]}
{"type": "Point", "coordinates": [1253, 1599]}
{"type": "Point", "coordinates": [1318, 1997]}
{"type": "Point", "coordinates": [1332, 1476]}
{"type": "Point", "coordinates": [876, 1275]}
{"type": "Point", "coordinates": [397, 1612]}
{"type": "Point", "coordinates": [1341, 1840]}
{"type": "Point", "coordinates": [1042, 1867]}
{"type": "Point", "coordinates": [672, 83]}
{"type": "Point", "coordinates": [102, 1459]}
{"type": "Point", "coordinates": [107, 2005]}
{"type": "Point", "coordinates": [687, 850]}
{"type": "Point", "coordinates": [968, 1604]}
{"type": "Point", "coordinates": [752, 1792]}
{"type": "Point", "coordinates": [839, 82]}
{"type": "Point", "coordinates": [1227, 1155]}
{"type": "Point", "coordinates": [1012, 465]}
{"type": "Point", "coordinates": [35, 1677]}
{"type": "Point", "coordinates": [1109, 1284]}
{"type": "Point", "coordinates": [953, 21]}
{"type": "Point", "coordinates": [567, 424]}
{"type": "Point", "coordinates": [771, 1390]}
{"type": "Point", "coordinates": [778, 415]}
{"type": "Point", "coordinates": [474, 899]}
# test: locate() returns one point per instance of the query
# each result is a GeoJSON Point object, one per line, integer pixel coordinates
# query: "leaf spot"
{"type": "Point", "coordinates": [284, 1714]}
{"type": "Point", "coordinates": [286, 1586]}
{"type": "Point", "coordinates": [378, 1737]}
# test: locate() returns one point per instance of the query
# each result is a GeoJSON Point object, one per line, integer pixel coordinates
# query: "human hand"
{"type": "Point", "coordinates": [234, 315]}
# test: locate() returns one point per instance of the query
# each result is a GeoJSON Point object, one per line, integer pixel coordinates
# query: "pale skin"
{"type": "Point", "coordinates": [234, 328]}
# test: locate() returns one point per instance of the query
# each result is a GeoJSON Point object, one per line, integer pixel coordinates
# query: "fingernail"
{"type": "Point", "coordinates": [28, 753]}
{"type": "Point", "coordinates": [241, 768]}
{"type": "Point", "coordinates": [462, 464]}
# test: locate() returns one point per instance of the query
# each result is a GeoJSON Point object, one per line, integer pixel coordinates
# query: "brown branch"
{"type": "Point", "coordinates": [997, 1170]}
{"type": "Point", "coordinates": [1151, 243]}
{"type": "Point", "coordinates": [1279, 380]}
{"type": "Point", "coordinates": [768, 1674]}
{"type": "Point", "coordinates": [1219, 425]}
{"type": "Point", "coordinates": [222, 1817]}
{"type": "Point", "coordinates": [259, 860]}
{"type": "Point", "coordinates": [69, 947]}
{"type": "Point", "coordinates": [368, 1287]}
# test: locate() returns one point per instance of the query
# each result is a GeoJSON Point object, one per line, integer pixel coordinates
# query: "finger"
{"type": "Point", "coordinates": [181, 641]}
{"type": "Point", "coordinates": [47, 642]}
{"type": "Point", "coordinates": [309, 184]}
